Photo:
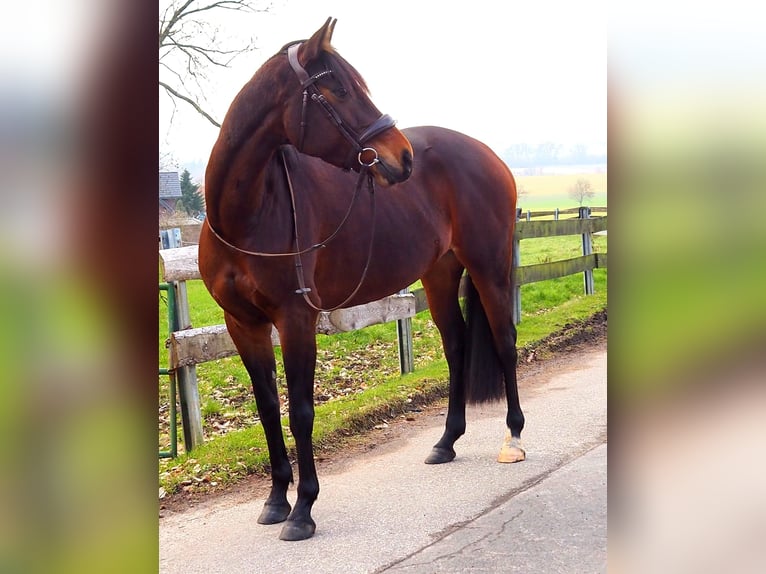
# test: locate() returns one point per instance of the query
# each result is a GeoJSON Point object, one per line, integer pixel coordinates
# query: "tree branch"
{"type": "Point", "coordinates": [225, 4]}
{"type": "Point", "coordinates": [182, 12]}
{"type": "Point", "coordinates": [177, 15]}
{"type": "Point", "coordinates": [189, 44]}
{"type": "Point", "coordinates": [185, 48]}
{"type": "Point", "coordinates": [191, 102]}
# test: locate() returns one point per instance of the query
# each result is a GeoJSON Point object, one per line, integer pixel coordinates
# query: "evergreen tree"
{"type": "Point", "coordinates": [191, 199]}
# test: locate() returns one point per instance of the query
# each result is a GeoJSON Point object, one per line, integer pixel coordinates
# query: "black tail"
{"type": "Point", "coordinates": [483, 371]}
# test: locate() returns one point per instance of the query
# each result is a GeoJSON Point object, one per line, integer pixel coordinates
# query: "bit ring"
{"type": "Point", "coordinates": [371, 163]}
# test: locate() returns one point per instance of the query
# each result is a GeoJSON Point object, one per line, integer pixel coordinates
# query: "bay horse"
{"type": "Point", "coordinates": [292, 230]}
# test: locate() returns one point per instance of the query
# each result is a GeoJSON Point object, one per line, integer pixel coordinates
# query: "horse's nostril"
{"type": "Point", "coordinates": [406, 163]}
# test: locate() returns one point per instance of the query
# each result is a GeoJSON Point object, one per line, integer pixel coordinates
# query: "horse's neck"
{"type": "Point", "coordinates": [242, 157]}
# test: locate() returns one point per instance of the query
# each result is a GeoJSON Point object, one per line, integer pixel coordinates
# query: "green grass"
{"type": "Point", "coordinates": [210, 408]}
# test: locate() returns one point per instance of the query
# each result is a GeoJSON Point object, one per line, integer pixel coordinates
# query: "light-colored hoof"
{"type": "Point", "coordinates": [511, 451]}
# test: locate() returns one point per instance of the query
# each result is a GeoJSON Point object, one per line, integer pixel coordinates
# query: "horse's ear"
{"type": "Point", "coordinates": [318, 43]}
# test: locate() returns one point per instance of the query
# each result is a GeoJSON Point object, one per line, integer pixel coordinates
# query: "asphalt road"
{"type": "Point", "coordinates": [386, 511]}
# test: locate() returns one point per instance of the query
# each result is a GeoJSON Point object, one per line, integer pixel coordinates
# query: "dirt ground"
{"type": "Point", "coordinates": [536, 363]}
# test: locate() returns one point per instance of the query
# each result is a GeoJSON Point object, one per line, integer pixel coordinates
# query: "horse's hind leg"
{"type": "Point", "coordinates": [441, 285]}
{"type": "Point", "coordinates": [495, 294]}
{"type": "Point", "coordinates": [253, 341]}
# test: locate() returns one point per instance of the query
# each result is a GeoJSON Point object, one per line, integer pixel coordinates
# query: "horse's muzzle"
{"type": "Point", "coordinates": [388, 174]}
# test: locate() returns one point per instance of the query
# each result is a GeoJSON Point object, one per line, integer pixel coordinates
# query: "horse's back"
{"type": "Point", "coordinates": [462, 162]}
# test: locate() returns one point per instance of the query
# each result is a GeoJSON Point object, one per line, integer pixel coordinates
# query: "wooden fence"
{"type": "Point", "coordinates": [190, 346]}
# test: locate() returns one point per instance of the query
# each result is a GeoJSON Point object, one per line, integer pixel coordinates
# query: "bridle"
{"type": "Point", "coordinates": [358, 141]}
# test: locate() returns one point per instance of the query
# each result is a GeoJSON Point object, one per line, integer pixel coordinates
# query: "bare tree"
{"type": "Point", "coordinates": [581, 190]}
{"type": "Point", "coordinates": [191, 40]}
{"type": "Point", "coordinates": [167, 161]}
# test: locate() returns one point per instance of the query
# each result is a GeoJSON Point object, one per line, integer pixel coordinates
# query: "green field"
{"type": "Point", "coordinates": [551, 191]}
{"type": "Point", "coordinates": [357, 372]}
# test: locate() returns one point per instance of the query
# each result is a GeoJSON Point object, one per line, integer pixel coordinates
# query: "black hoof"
{"type": "Point", "coordinates": [440, 455]}
{"type": "Point", "coordinates": [274, 513]}
{"type": "Point", "coordinates": [294, 530]}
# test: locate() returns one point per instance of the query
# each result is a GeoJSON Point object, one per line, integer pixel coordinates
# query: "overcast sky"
{"type": "Point", "coordinates": [503, 72]}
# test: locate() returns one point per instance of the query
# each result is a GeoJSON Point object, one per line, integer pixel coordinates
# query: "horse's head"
{"type": "Point", "coordinates": [332, 117]}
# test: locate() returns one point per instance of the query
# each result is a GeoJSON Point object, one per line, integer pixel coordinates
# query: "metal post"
{"type": "Point", "coordinates": [191, 415]}
{"type": "Point", "coordinates": [173, 452]}
{"type": "Point", "coordinates": [404, 339]}
{"type": "Point", "coordinates": [587, 249]}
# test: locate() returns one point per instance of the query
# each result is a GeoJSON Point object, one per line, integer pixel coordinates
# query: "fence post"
{"type": "Point", "coordinates": [191, 415]}
{"type": "Point", "coordinates": [404, 339]}
{"type": "Point", "coordinates": [587, 249]}
{"type": "Point", "coordinates": [515, 265]}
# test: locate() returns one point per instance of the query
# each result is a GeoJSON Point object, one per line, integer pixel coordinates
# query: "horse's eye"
{"type": "Point", "coordinates": [340, 92]}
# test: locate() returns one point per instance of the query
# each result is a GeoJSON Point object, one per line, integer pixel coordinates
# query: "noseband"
{"type": "Point", "coordinates": [356, 139]}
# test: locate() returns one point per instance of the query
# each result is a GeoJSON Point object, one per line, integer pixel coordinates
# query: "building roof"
{"type": "Point", "coordinates": [170, 186]}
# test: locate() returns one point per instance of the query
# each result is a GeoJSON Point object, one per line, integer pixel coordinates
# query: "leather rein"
{"type": "Point", "coordinates": [358, 141]}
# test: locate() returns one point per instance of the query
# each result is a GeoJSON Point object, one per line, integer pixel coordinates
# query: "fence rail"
{"type": "Point", "coordinates": [189, 346]}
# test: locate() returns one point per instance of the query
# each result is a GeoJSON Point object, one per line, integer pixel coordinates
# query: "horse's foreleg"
{"type": "Point", "coordinates": [299, 351]}
{"type": "Point", "coordinates": [253, 341]}
{"type": "Point", "coordinates": [441, 285]}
